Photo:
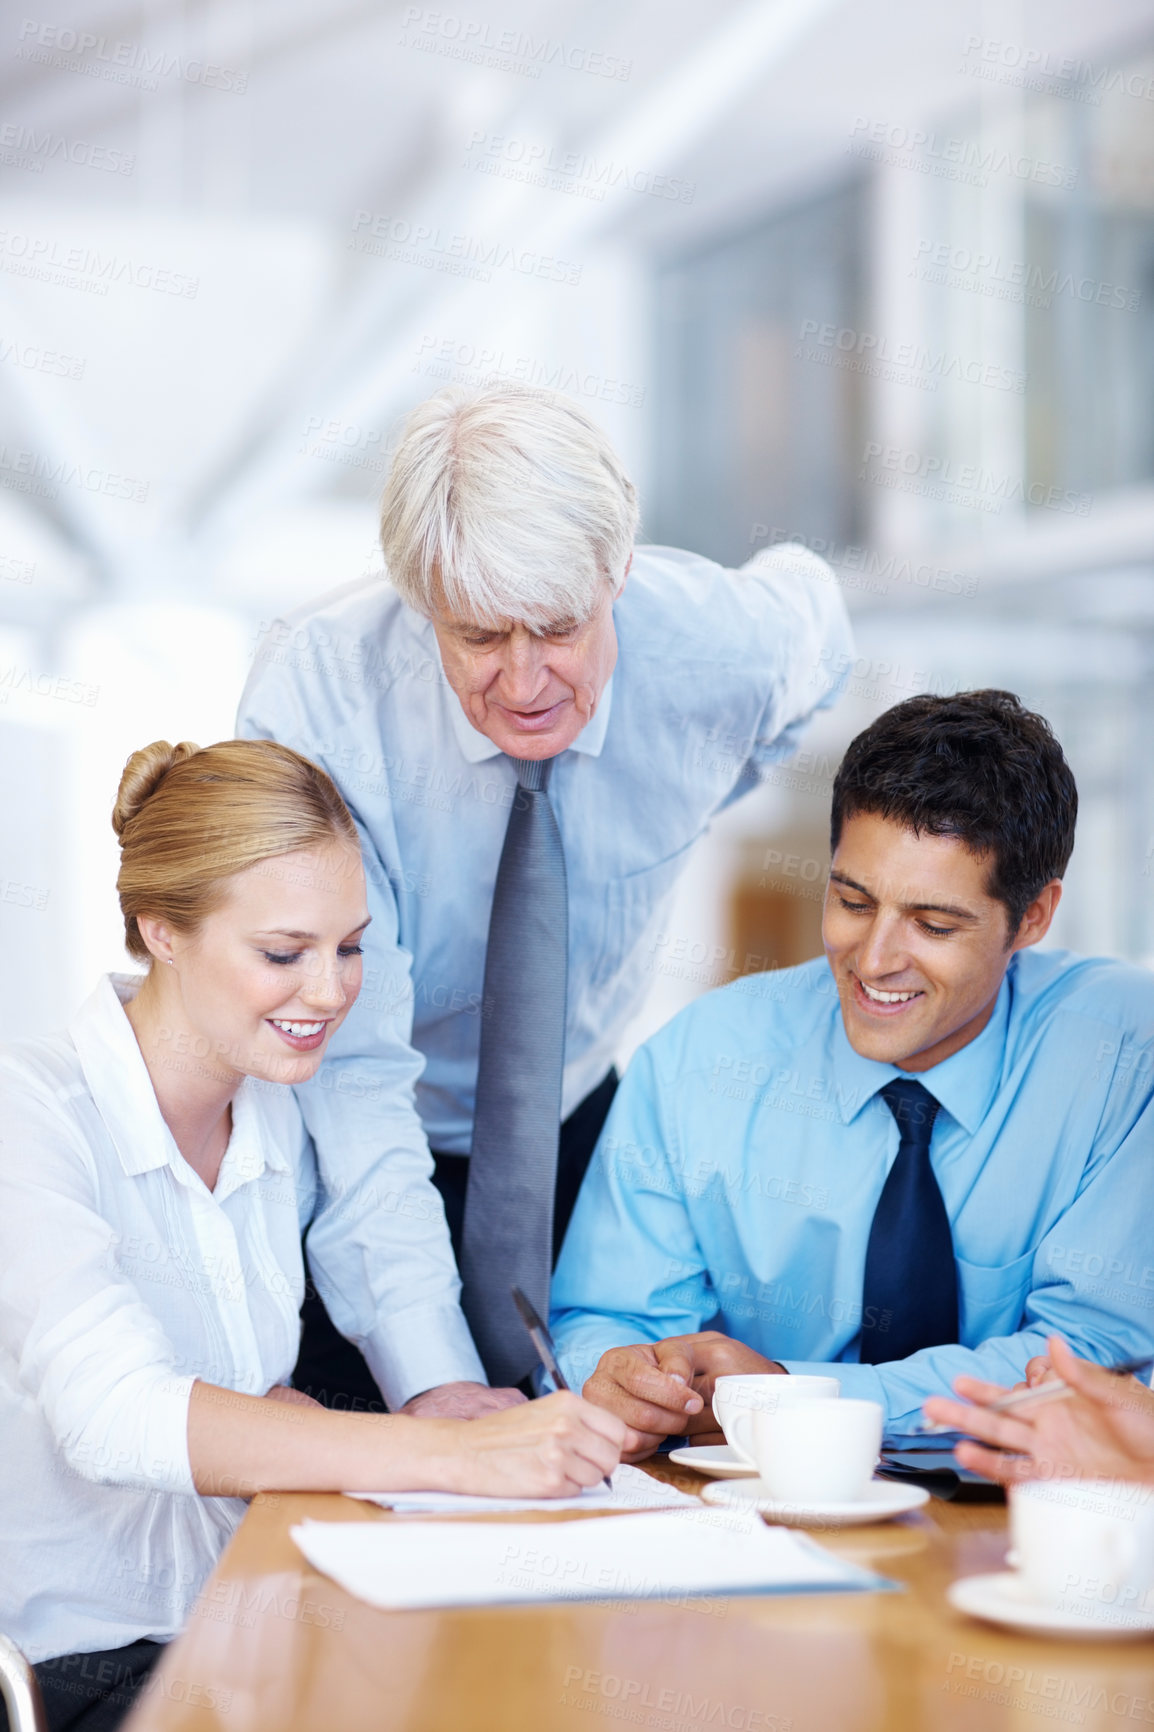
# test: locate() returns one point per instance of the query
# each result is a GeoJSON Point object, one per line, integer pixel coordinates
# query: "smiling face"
{"type": "Point", "coordinates": [530, 693]}
{"type": "Point", "coordinates": [917, 945]}
{"type": "Point", "coordinates": [265, 980]}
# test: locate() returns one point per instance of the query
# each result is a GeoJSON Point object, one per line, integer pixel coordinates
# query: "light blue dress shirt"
{"type": "Point", "coordinates": [738, 1172]}
{"type": "Point", "coordinates": [717, 671]}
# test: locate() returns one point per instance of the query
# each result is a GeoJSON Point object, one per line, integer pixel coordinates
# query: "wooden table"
{"type": "Point", "coordinates": [275, 1647]}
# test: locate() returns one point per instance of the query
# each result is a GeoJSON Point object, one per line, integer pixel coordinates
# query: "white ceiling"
{"type": "Point", "coordinates": [346, 105]}
{"type": "Point", "coordinates": [332, 110]}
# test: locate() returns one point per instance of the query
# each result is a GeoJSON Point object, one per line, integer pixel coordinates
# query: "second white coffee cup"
{"type": "Point", "coordinates": [1086, 1546]}
{"type": "Point", "coordinates": [736, 1398]}
{"type": "Point", "coordinates": [818, 1452]}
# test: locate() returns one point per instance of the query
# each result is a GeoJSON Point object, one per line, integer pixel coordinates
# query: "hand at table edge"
{"type": "Point", "coordinates": [460, 1401]}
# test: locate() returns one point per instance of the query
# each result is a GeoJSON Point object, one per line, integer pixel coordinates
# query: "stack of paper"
{"type": "Point", "coordinates": [398, 1565]}
{"type": "Point", "coordinates": [631, 1490]}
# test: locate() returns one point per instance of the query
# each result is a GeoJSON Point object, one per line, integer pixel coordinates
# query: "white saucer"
{"type": "Point", "coordinates": [1002, 1599]}
{"type": "Point", "coordinates": [717, 1460]}
{"type": "Point", "coordinates": [884, 1499]}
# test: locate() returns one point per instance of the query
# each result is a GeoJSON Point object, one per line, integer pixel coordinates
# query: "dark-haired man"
{"type": "Point", "coordinates": [914, 1158]}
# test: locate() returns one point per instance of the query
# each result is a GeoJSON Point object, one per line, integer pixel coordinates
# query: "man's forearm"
{"type": "Point", "coordinates": [901, 1386]}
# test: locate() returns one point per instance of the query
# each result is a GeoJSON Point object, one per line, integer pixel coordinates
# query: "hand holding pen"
{"type": "Point", "coordinates": [1089, 1421]}
{"type": "Point", "coordinates": [543, 1343]}
{"type": "Point", "coordinates": [1018, 1401]}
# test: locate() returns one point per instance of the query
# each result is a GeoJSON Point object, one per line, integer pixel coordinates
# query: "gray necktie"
{"type": "Point", "coordinates": [508, 1234]}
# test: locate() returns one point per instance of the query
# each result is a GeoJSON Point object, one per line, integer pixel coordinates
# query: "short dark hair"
{"type": "Point", "coordinates": [979, 766]}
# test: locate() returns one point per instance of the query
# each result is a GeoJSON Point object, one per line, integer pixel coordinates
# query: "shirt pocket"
{"type": "Point", "coordinates": [632, 908]}
{"type": "Point", "coordinates": [992, 1300]}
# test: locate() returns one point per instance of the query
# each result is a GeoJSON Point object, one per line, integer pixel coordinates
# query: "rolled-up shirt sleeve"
{"type": "Point", "coordinates": [801, 605]}
{"type": "Point", "coordinates": [87, 1348]}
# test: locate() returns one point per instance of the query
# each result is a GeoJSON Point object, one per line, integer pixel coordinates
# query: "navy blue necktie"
{"type": "Point", "coordinates": [508, 1232]}
{"type": "Point", "coordinates": [910, 1291]}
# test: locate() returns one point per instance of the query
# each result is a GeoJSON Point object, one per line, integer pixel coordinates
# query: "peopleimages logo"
{"type": "Point", "coordinates": [1042, 69]}
{"type": "Point", "coordinates": [644, 1702]}
{"type": "Point", "coordinates": [31, 472]}
{"type": "Point", "coordinates": [79, 267]}
{"type": "Point", "coordinates": [542, 164]}
{"type": "Point", "coordinates": [476, 41]}
{"type": "Point", "coordinates": [458, 362]}
{"type": "Point", "coordinates": [867, 568]}
{"type": "Point", "coordinates": [1014, 279]}
{"type": "Point", "coordinates": [951, 158]}
{"type": "Point", "coordinates": [24, 147]}
{"type": "Point", "coordinates": [119, 62]}
{"type": "Point", "coordinates": [37, 360]}
{"type": "Point", "coordinates": [901, 362]}
{"type": "Point", "coordinates": [462, 255]}
{"type": "Point", "coordinates": [963, 483]}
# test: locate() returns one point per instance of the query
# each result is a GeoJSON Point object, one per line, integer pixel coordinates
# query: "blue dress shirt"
{"type": "Point", "coordinates": [717, 671]}
{"type": "Point", "coordinates": [738, 1173]}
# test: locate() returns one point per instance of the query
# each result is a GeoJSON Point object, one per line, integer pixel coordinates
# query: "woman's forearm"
{"type": "Point", "coordinates": [241, 1444]}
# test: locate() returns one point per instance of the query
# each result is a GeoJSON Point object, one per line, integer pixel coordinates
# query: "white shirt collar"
{"type": "Point", "coordinates": [122, 1091]}
{"type": "Point", "coordinates": [476, 747]}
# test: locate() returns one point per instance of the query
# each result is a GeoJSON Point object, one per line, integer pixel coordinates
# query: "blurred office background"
{"type": "Point", "coordinates": [873, 274]}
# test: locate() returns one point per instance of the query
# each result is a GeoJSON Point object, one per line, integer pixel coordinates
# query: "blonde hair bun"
{"type": "Point", "coordinates": [189, 819]}
{"type": "Point", "coordinates": [143, 774]}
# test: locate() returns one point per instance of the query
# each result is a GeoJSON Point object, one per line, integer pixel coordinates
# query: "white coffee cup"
{"type": "Point", "coordinates": [736, 1398]}
{"type": "Point", "coordinates": [1086, 1546]}
{"type": "Point", "coordinates": [816, 1452]}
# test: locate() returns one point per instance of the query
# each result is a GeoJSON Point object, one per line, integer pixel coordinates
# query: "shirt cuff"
{"type": "Point", "coordinates": [420, 1349]}
{"type": "Point", "coordinates": [168, 1436]}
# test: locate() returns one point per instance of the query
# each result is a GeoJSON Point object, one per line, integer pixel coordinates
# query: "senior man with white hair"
{"type": "Point", "coordinates": [529, 745]}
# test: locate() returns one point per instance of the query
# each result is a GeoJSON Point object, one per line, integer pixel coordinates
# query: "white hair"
{"type": "Point", "coordinates": [506, 504]}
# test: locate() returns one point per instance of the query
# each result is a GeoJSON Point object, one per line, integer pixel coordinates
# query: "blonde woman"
{"type": "Point", "coordinates": [155, 1178]}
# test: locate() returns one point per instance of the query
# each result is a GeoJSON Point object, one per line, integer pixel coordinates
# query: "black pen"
{"type": "Point", "coordinates": [543, 1342]}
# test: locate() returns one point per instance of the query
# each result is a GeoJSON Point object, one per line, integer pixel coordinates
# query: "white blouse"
{"type": "Point", "coordinates": [123, 1279]}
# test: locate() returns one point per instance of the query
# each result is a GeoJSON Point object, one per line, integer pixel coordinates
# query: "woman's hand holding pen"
{"type": "Point", "coordinates": [240, 1444]}
{"type": "Point", "coordinates": [554, 1447]}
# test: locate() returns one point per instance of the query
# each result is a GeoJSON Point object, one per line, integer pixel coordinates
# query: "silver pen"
{"type": "Point", "coordinates": [543, 1342]}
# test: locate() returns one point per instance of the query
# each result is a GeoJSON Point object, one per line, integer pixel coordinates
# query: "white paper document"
{"type": "Point", "coordinates": [404, 1565]}
{"type": "Point", "coordinates": [632, 1490]}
